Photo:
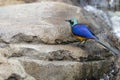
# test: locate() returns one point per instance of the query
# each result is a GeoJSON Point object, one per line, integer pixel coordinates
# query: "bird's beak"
{"type": "Point", "coordinates": [67, 20]}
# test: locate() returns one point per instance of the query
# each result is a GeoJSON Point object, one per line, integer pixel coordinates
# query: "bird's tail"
{"type": "Point", "coordinates": [115, 51]}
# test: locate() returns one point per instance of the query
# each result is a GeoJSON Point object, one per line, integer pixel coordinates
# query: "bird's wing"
{"type": "Point", "coordinates": [92, 33]}
{"type": "Point", "coordinates": [83, 31]}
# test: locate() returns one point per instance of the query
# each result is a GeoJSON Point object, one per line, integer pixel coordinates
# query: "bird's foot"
{"type": "Point", "coordinates": [82, 44]}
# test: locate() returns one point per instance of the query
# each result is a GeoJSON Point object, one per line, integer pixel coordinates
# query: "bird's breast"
{"type": "Point", "coordinates": [79, 37]}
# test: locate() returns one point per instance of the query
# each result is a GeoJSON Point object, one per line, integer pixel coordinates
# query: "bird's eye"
{"type": "Point", "coordinates": [71, 22]}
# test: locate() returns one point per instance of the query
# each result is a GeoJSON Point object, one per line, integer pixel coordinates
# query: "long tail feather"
{"type": "Point", "coordinates": [115, 51]}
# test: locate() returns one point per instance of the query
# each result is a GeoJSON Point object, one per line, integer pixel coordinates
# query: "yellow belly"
{"type": "Point", "coordinates": [80, 38]}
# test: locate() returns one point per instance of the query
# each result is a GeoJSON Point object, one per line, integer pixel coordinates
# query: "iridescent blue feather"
{"type": "Point", "coordinates": [83, 31]}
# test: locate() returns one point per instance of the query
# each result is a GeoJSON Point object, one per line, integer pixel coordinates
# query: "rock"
{"type": "Point", "coordinates": [13, 2]}
{"type": "Point", "coordinates": [3, 60]}
{"type": "Point", "coordinates": [10, 2]}
{"type": "Point", "coordinates": [35, 23]}
{"type": "Point", "coordinates": [65, 70]}
{"type": "Point", "coordinates": [1, 78]}
{"type": "Point", "coordinates": [60, 55]}
{"type": "Point", "coordinates": [13, 69]}
{"type": "Point", "coordinates": [44, 52]}
{"type": "Point", "coordinates": [14, 77]}
{"type": "Point", "coordinates": [6, 51]}
{"type": "Point", "coordinates": [117, 71]}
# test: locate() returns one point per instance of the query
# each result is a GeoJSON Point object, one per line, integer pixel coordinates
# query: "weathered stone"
{"type": "Point", "coordinates": [1, 78]}
{"type": "Point", "coordinates": [3, 59]}
{"type": "Point", "coordinates": [13, 2]}
{"type": "Point", "coordinates": [10, 2]}
{"type": "Point", "coordinates": [60, 55]}
{"type": "Point", "coordinates": [65, 70]}
{"type": "Point", "coordinates": [42, 51]}
{"type": "Point", "coordinates": [38, 22]}
{"type": "Point", "coordinates": [13, 69]}
{"type": "Point", "coordinates": [117, 71]}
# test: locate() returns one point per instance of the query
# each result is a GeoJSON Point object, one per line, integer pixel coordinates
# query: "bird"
{"type": "Point", "coordinates": [82, 32]}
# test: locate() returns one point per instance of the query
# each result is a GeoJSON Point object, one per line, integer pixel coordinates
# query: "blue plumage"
{"type": "Point", "coordinates": [83, 31]}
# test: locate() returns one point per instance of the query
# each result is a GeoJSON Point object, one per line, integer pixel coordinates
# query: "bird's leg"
{"type": "Point", "coordinates": [82, 43]}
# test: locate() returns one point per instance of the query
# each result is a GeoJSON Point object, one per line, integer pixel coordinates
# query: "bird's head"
{"type": "Point", "coordinates": [72, 21]}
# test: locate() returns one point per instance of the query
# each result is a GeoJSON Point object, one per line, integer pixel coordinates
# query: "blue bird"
{"type": "Point", "coordinates": [83, 33]}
